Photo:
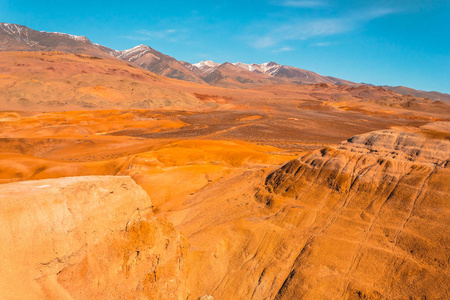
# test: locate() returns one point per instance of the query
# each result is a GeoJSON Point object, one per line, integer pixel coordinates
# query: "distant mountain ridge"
{"type": "Point", "coordinates": [258, 74]}
{"type": "Point", "coordinates": [436, 96]}
{"type": "Point", "coordinates": [14, 37]}
{"type": "Point", "coordinates": [156, 62]}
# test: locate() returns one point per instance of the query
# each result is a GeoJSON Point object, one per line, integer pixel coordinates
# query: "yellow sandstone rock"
{"type": "Point", "coordinates": [92, 237]}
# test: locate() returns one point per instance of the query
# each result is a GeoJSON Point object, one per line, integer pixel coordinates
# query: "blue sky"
{"type": "Point", "coordinates": [381, 42]}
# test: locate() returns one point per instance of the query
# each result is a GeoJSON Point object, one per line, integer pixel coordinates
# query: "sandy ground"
{"type": "Point", "coordinates": [203, 153]}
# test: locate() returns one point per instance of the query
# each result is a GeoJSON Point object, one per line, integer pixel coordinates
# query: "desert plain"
{"type": "Point", "coordinates": [117, 183]}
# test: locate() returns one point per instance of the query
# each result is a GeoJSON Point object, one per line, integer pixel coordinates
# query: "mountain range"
{"type": "Point", "coordinates": [15, 37]}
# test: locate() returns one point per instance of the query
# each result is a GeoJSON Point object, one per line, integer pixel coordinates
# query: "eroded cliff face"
{"type": "Point", "coordinates": [365, 219]}
{"type": "Point", "coordinates": [375, 213]}
{"type": "Point", "coordinates": [93, 237]}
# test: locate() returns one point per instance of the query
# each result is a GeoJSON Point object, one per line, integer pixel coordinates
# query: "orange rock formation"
{"type": "Point", "coordinates": [366, 219]}
{"type": "Point", "coordinates": [87, 238]}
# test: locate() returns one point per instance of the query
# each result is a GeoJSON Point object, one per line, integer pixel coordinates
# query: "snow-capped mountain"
{"type": "Point", "coordinates": [134, 53]}
{"type": "Point", "coordinates": [203, 68]}
{"type": "Point", "coordinates": [267, 67]}
{"type": "Point", "coordinates": [18, 37]}
{"type": "Point", "coordinates": [206, 64]}
{"type": "Point", "coordinates": [157, 62]}
{"type": "Point", "coordinates": [15, 37]}
{"type": "Point", "coordinates": [238, 73]}
{"type": "Point", "coordinates": [22, 33]}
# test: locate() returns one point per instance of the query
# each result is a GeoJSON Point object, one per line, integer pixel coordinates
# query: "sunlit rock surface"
{"type": "Point", "coordinates": [93, 237]}
{"type": "Point", "coordinates": [365, 219]}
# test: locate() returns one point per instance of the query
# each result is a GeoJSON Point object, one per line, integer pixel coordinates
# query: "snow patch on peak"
{"type": "Point", "coordinates": [71, 36]}
{"type": "Point", "coordinates": [136, 49]}
{"type": "Point", "coordinates": [12, 26]}
{"type": "Point", "coordinates": [26, 35]}
{"type": "Point", "coordinates": [141, 46]}
{"type": "Point", "coordinates": [205, 67]}
{"type": "Point", "coordinates": [249, 67]}
{"type": "Point", "coordinates": [270, 67]}
{"type": "Point", "coordinates": [135, 53]}
{"type": "Point", "coordinates": [267, 67]}
{"type": "Point", "coordinates": [206, 63]}
{"type": "Point", "coordinates": [270, 64]}
{"type": "Point", "coordinates": [12, 29]}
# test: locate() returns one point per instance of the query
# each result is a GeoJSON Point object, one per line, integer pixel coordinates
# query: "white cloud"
{"type": "Point", "coordinates": [204, 56]}
{"type": "Point", "coordinates": [146, 35]}
{"type": "Point", "coordinates": [156, 34]}
{"type": "Point", "coordinates": [302, 30]}
{"type": "Point", "coordinates": [306, 29]}
{"type": "Point", "coordinates": [323, 44]}
{"type": "Point", "coordinates": [303, 3]}
{"type": "Point", "coordinates": [135, 37]}
{"type": "Point", "coordinates": [284, 49]}
{"type": "Point", "coordinates": [264, 41]}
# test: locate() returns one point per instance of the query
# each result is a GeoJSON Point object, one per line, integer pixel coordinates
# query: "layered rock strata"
{"type": "Point", "coordinates": [365, 219]}
{"type": "Point", "coordinates": [375, 217]}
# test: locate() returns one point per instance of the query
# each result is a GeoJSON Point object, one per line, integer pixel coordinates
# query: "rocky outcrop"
{"type": "Point", "coordinates": [93, 237]}
{"type": "Point", "coordinates": [365, 219]}
{"type": "Point", "coordinates": [375, 218]}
